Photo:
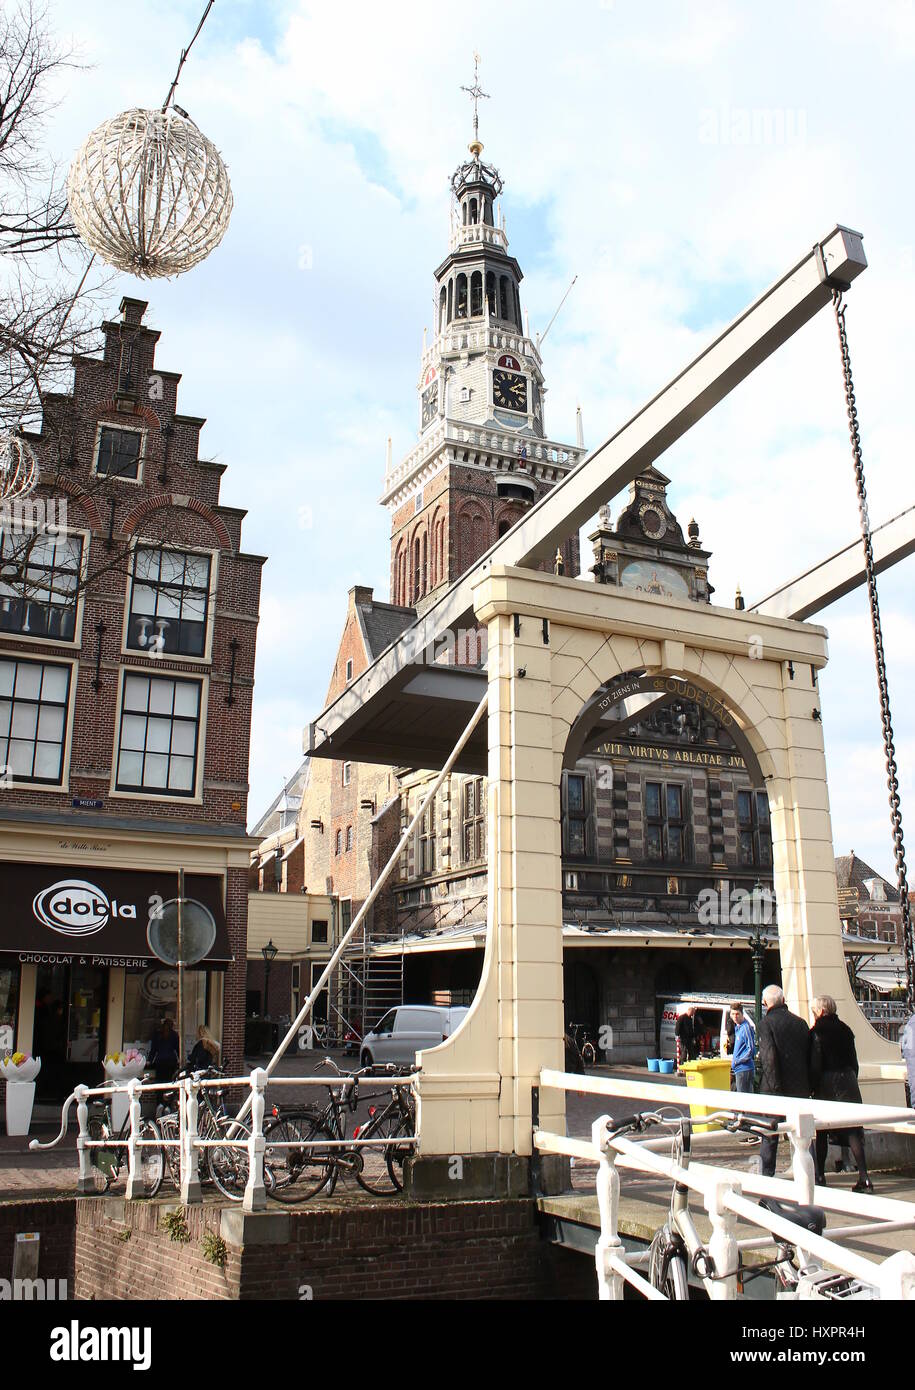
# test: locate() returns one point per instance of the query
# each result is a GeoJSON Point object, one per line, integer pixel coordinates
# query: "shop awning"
{"type": "Point", "coordinates": [51, 913]}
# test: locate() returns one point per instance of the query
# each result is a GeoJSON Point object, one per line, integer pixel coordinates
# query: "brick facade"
{"type": "Point", "coordinates": [392, 1250]}
{"type": "Point", "coordinates": [171, 506]}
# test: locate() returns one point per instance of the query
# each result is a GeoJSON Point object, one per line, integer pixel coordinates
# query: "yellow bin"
{"type": "Point", "coordinates": [709, 1074]}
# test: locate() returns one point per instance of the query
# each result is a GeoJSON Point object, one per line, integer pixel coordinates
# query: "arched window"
{"type": "Point", "coordinates": [460, 308]}
{"type": "Point", "coordinates": [473, 211]}
{"type": "Point", "coordinates": [450, 297]}
{"type": "Point", "coordinates": [491, 294]}
{"type": "Point", "coordinates": [517, 297]}
{"type": "Point", "coordinates": [417, 567]}
{"type": "Point", "coordinates": [397, 578]}
{"type": "Point", "coordinates": [505, 291]}
{"type": "Point", "coordinates": [441, 311]}
{"type": "Point", "coordinates": [473, 538]}
{"type": "Point", "coordinates": [476, 293]}
{"type": "Point", "coordinates": [507, 518]}
{"type": "Point", "coordinates": [464, 213]}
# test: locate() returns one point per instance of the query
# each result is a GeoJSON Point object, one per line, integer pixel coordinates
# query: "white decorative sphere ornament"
{"type": "Point", "coordinates": [18, 466]}
{"type": "Point", "coordinates": [149, 193]}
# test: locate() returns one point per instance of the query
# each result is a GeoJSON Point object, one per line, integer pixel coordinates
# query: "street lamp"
{"type": "Point", "coordinates": [269, 953]}
{"type": "Point", "coordinates": [759, 944]}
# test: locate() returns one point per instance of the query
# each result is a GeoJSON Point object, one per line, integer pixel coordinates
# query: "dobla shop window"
{"type": "Point", "coordinates": [169, 597]}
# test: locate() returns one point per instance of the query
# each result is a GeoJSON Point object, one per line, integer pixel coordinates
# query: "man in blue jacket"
{"type": "Point", "coordinates": [743, 1058]}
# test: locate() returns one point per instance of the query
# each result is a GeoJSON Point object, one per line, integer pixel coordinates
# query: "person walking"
{"type": "Point", "coordinates": [783, 1062]}
{"type": "Point", "coordinates": [687, 1041]}
{"type": "Point", "coordinates": [743, 1055]}
{"type": "Point", "coordinates": [834, 1076]}
{"type": "Point", "coordinates": [907, 1047]}
{"type": "Point", "coordinates": [205, 1052]}
{"type": "Point", "coordinates": [163, 1051]}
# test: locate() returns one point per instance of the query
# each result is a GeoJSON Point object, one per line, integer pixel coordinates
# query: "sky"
{"type": "Point", "coordinates": [677, 157]}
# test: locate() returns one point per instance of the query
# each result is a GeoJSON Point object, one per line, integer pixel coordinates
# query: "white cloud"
{"type": "Point", "coordinates": [341, 125]}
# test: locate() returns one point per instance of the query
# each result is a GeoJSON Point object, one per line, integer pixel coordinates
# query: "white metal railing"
{"type": "Point", "coordinates": [190, 1143]}
{"type": "Point", "coordinates": [722, 1188]}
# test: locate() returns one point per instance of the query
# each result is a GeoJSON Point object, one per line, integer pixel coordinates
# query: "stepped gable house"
{"type": "Point", "coordinates": [127, 643]}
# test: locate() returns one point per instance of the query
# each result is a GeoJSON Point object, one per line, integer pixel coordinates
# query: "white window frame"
{"type": "Point", "coordinates": [347, 774]}
{"type": "Point", "coordinates": [173, 798]}
{"type": "Point", "coordinates": [136, 653]}
{"type": "Point", "coordinates": [69, 715]}
{"type": "Point", "coordinates": [66, 643]}
{"type": "Point", "coordinates": [141, 430]}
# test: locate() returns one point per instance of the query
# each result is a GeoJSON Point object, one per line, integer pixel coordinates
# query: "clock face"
{"type": "Point", "coordinates": [509, 390]}
{"type": "Point", "coordinates": [653, 521]}
{"type": "Point", "coordinates": [430, 404]}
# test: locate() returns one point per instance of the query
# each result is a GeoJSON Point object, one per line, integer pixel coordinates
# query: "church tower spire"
{"type": "Point", "coordinates": [482, 457]}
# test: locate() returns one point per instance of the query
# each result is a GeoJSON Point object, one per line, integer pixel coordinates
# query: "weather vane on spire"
{"type": "Point", "coordinates": [475, 93]}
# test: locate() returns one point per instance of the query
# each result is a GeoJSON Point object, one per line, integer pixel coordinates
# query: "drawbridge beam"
{"type": "Point", "coordinates": [762, 328]}
{"type": "Point", "coordinates": [843, 572]}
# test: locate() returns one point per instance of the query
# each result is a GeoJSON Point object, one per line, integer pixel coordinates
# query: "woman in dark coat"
{"type": "Point", "coordinates": [834, 1076]}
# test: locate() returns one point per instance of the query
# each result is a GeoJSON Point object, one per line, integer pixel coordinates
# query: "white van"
{"type": "Point", "coordinates": [406, 1030]}
{"type": "Point", "coordinates": [711, 1020]}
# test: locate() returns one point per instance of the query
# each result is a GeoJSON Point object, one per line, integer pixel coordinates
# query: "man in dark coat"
{"type": "Point", "coordinates": [687, 1042]}
{"type": "Point", "coordinates": [783, 1060]}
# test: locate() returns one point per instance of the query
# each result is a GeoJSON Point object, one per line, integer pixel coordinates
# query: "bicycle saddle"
{"type": "Point", "coordinates": [810, 1218]}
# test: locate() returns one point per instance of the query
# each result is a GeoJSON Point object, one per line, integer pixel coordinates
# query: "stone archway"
{"type": "Point", "coordinates": [552, 644]}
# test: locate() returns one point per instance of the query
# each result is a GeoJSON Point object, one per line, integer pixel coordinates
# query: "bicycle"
{"type": "Point", "coordinates": [301, 1173]}
{"type": "Point", "coordinates": [677, 1251]}
{"type": "Point", "coordinates": [224, 1165]}
{"type": "Point", "coordinates": [586, 1048]}
{"type": "Point", "coordinates": [107, 1163]}
{"type": "Point", "coordinates": [395, 1120]}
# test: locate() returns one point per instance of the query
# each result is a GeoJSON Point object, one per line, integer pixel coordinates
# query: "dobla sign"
{"type": "Point", "coordinates": [74, 907]}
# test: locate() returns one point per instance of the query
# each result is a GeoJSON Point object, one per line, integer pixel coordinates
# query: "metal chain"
{"type": "Point", "coordinates": [892, 779]}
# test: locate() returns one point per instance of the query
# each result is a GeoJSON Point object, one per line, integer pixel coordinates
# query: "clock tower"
{"type": "Point", "coordinates": [481, 457]}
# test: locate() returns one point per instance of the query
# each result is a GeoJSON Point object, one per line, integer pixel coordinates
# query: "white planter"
{"type": "Point", "coordinates": [20, 1097]}
{"type": "Point", "coordinates": [26, 1071]}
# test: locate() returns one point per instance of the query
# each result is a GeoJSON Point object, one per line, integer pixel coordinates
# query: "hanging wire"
{"type": "Point", "coordinates": [52, 346]}
{"type": "Point", "coordinates": [892, 776]}
{"type": "Point", "coordinates": [184, 53]}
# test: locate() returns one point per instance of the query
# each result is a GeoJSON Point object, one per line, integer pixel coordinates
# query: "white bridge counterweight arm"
{"type": "Point", "coordinates": [843, 572]}
{"type": "Point", "coordinates": [749, 340]}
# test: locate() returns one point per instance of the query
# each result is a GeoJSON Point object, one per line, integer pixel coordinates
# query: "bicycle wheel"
{"type": "Point", "coordinates": [397, 1154]}
{"type": "Point", "coordinates": [104, 1161]}
{"type": "Point", "coordinates": [378, 1176]}
{"type": "Point", "coordinates": [667, 1267]}
{"type": "Point", "coordinates": [228, 1165]}
{"type": "Point", "coordinates": [150, 1160]}
{"type": "Point", "coordinates": [299, 1173]}
{"type": "Point", "coordinates": [168, 1129]}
